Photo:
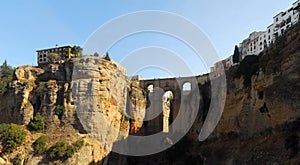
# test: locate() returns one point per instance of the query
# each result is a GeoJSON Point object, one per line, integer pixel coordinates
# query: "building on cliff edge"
{"type": "Point", "coordinates": [258, 41]}
{"type": "Point", "coordinates": [64, 52]}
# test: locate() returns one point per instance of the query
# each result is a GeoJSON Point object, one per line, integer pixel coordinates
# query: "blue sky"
{"type": "Point", "coordinates": [30, 25]}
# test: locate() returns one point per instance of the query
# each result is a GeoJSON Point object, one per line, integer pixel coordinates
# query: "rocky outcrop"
{"type": "Point", "coordinates": [259, 124]}
{"type": "Point", "coordinates": [93, 93]}
{"type": "Point", "coordinates": [15, 103]}
{"type": "Point", "coordinates": [137, 106]}
{"type": "Point", "coordinates": [99, 92]}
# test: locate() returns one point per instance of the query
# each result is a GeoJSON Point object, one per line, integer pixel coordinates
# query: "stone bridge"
{"type": "Point", "coordinates": [179, 90]}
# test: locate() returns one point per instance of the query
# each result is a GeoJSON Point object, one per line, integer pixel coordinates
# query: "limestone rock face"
{"type": "Point", "coordinates": [99, 90]}
{"type": "Point", "coordinates": [15, 105]}
{"type": "Point", "coordinates": [93, 93]}
{"type": "Point", "coordinates": [137, 106]}
{"type": "Point", "coordinates": [270, 100]}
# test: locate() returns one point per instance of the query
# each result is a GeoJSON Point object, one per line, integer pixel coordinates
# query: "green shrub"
{"type": "Point", "coordinates": [58, 151]}
{"type": "Point", "coordinates": [41, 89]}
{"type": "Point", "coordinates": [40, 145]}
{"type": "Point", "coordinates": [248, 67]}
{"type": "Point", "coordinates": [70, 151]}
{"type": "Point", "coordinates": [37, 124]}
{"type": "Point", "coordinates": [61, 151]}
{"type": "Point", "coordinates": [59, 110]}
{"type": "Point", "coordinates": [78, 145]}
{"type": "Point", "coordinates": [11, 136]}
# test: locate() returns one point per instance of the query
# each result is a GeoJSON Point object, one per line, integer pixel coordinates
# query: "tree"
{"type": "Point", "coordinates": [236, 55]}
{"type": "Point", "coordinates": [76, 51]}
{"type": "Point", "coordinates": [6, 75]}
{"type": "Point", "coordinates": [6, 70]}
{"type": "Point", "coordinates": [248, 67]}
{"type": "Point", "coordinates": [53, 57]}
{"type": "Point", "coordinates": [96, 54]}
{"type": "Point", "coordinates": [37, 124]}
{"type": "Point", "coordinates": [106, 56]}
{"type": "Point", "coordinates": [11, 137]}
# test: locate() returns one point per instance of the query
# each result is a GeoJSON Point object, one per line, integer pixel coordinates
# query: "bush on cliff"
{"type": "Point", "coordinates": [41, 89]}
{"type": "Point", "coordinates": [59, 111]}
{"type": "Point", "coordinates": [58, 150]}
{"type": "Point", "coordinates": [62, 151]}
{"type": "Point", "coordinates": [37, 124]}
{"type": "Point", "coordinates": [248, 67]}
{"type": "Point", "coordinates": [40, 145]}
{"type": "Point", "coordinates": [11, 137]}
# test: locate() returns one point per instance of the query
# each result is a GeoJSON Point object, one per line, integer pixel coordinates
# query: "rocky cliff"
{"type": "Point", "coordinates": [260, 121]}
{"type": "Point", "coordinates": [90, 99]}
{"type": "Point", "coordinates": [75, 99]}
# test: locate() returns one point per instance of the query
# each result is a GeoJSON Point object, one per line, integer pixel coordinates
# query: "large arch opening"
{"type": "Point", "coordinates": [166, 109]}
{"type": "Point", "coordinates": [187, 87]}
{"type": "Point", "coordinates": [150, 88]}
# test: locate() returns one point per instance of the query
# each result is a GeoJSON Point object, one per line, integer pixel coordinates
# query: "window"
{"type": "Point", "coordinates": [283, 14]}
{"type": "Point", "coordinates": [276, 19]}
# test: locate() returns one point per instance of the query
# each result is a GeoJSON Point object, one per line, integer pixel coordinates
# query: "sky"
{"type": "Point", "coordinates": [27, 26]}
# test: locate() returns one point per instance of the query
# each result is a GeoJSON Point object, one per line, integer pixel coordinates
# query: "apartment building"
{"type": "Point", "coordinates": [42, 55]}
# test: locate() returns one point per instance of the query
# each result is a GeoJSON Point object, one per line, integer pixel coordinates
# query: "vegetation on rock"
{"type": "Point", "coordinates": [76, 51]}
{"type": "Point", "coordinates": [236, 55]}
{"type": "Point", "coordinates": [41, 89]}
{"type": "Point", "coordinates": [6, 75]}
{"type": "Point", "coordinates": [40, 145]}
{"type": "Point", "coordinates": [106, 57]}
{"type": "Point", "coordinates": [53, 57]}
{"type": "Point", "coordinates": [37, 124]}
{"type": "Point", "coordinates": [59, 110]}
{"type": "Point", "coordinates": [11, 137]}
{"type": "Point", "coordinates": [248, 67]}
{"type": "Point", "coordinates": [61, 150]}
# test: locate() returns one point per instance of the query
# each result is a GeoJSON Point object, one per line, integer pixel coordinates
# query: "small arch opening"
{"type": "Point", "coordinates": [187, 86]}
{"type": "Point", "coordinates": [150, 88]}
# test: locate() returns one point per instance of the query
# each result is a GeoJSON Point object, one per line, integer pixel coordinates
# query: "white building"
{"type": "Point", "coordinates": [229, 62]}
{"type": "Point", "coordinates": [254, 44]}
{"type": "Point", "coordinates": [258, 41]}
{"type": "Point", "coordinates": [285, 20]}
{"type": "Point", "coordinates": [136, 78]}
{"type": "Point", "coordinates": [270, 34]}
